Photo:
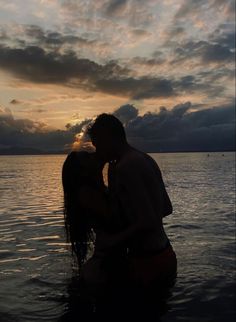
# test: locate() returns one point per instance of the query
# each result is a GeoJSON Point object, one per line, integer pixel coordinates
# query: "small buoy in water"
{"type": "Point", "coordinates": [208, 155]}
{"type": "Point", "coordinates": [223, 155]}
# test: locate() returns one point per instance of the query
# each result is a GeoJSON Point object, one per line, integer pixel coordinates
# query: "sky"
{"type": "Point", "coordinates": [165, 68]}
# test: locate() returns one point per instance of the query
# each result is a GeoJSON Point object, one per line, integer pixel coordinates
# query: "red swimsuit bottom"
{"type": "Point", "coordinates": [158, 269]}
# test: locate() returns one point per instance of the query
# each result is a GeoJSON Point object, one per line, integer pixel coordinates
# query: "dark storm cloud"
{"type": "Point", "coordinates": [181, 130]}
{"type": "Point", "coordinates": [137, 14]}
{"type": "Point", "coordinates": [126, 113]}
{"type": "Point", "coordinates": [205, 51]}
{"type": "Point", "coordinates": [187, 82]}
{"type": "Point", "coordinates": [203, 83]}
{"type": "Point", "coordinates": [177, 129]}
{"type": "Point", "coordinates": [27, 133]}
{"type": "Point", "coordinates": [142, 88]}
{"type": "Point", "coordinates": [34, 31]}
{"type": "Point", "coordinates": [216, 53]}
{"type": "Point", "coordinates": [225, 38]}
{"type": "Point", "coordinates": [217, 74]}
{"type": "Point", "coordinates": [35, 64]}
{"type": "Point", "coordinates": [159, 126]}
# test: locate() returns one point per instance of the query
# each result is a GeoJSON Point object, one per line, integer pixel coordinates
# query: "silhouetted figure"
{"type": "Point", "coordinates": [138, 194]}
{"type": "Point", "coordinates": [133, 265]}
{"type": "Point", "coordinates": [106, 269]}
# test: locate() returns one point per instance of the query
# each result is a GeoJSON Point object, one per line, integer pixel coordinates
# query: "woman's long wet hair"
{"type": "Point", "coordinates": [78, 229]}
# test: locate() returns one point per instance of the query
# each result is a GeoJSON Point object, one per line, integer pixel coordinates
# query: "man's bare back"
{"type": "Point", "coordinates": [138, 185]}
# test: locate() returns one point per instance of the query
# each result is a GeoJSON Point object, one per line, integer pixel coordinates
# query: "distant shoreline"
{"type": "Point", "coordinates": [17, 153]}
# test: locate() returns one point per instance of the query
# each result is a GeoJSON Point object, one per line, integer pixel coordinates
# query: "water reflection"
{"type": "Point", "coordinates": [35, 262]}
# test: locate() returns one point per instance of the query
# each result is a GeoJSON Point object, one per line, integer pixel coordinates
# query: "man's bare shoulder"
{"type": "Point", "coordinates": [133, 162]}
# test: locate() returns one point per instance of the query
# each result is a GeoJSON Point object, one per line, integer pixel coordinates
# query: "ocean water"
{"type": "Point", "coordinates": [36, 266]}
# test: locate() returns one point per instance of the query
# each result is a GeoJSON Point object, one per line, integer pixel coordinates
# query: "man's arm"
{"type": "Point", "coordinates": [135, 203]}
{"type": "Point", "coordinates": [134, 199]}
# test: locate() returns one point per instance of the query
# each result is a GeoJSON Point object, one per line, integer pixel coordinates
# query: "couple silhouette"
{"type": "Point", "coordinates": [126, 262]}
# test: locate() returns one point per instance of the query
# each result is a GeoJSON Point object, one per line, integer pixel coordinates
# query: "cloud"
{"type": "Point", "coordinates": [226, 6]}
{"type": "Point", "coordinates": [116, 7]}
{"type": "Point", "coordinates": [31, 63]}
{"type": "Point", "coordinates": [126, 113]}
{"type": "Point", "coordinates": [224, 37]}
{"type": "Point", "coordinates": [34, 31]}
{"type": "Point", "coordinates": [5, 114]}
{"type": "Point", "coordinates": [46, 100]}
{"type": "Point", "coordinates": [54, 38]}
{"type": "Point", "coordinates": [205, 51]}
{"type": "Point", "coordinates": [9, 124]}
{"type": "Point", "coordinates": [35, 64]}
{"type": "Point", "coordinates": [120, 50]}
{"type": "Point", "coordinates": [216, 53]}
{"type": "Point", "coordinates": [58, 40]}
{"type": "Point", "coordinates": [190, 7]}
{"type": "Point", "coordinates": [3, 34]}
{"type": "Point", "coordinates": [141, 33]}
{"type": "Point", "coordinates": [204, 83]}
{"type": "Point", "coordinates": [141, 88]}
{"type": "Point", "coordinates": [149, 62]}
{"type": "Point", "coordinates": [134, 13]}
{"type": "Point", "coordinates": [177, 129]}
{"type": "Point", "coordinates": [175, 31]}
{"type": "Point", "coordinates": [27, 133]}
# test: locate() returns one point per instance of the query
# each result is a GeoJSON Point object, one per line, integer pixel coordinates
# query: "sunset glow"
{"type": "Point", "coordinates": [65, 61]}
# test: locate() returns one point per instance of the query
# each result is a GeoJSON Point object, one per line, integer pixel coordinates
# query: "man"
{"type": "Point", "coordinates": [139, 196]}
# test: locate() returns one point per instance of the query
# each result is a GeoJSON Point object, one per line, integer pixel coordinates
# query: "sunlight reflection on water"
{"type": "Point", "coordinates": [35, 262]}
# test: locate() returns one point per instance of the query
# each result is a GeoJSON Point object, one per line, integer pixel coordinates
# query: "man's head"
{"type": "Point", "coordinates": [107, 135]}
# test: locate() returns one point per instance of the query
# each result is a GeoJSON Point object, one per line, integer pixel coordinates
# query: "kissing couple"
{"type": "Point", "coordinates": [116, 232]}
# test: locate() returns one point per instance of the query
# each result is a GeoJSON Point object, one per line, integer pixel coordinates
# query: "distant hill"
{"type": "Point", "coordinates": [27, 151]}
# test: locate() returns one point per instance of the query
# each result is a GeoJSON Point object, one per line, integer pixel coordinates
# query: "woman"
{"type": "Point", "coordinates": [86, 227]}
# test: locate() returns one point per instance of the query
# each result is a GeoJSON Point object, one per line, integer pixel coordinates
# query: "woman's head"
{"type": "Point", "coordinates": [79, 168]}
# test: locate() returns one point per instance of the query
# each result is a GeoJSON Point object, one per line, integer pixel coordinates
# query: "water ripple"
{"type": "Point", "coordinates": [35, 261]}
